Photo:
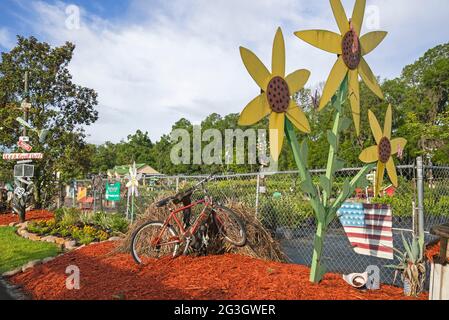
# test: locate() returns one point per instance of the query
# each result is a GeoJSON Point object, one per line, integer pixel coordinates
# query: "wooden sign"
{"type": "Point", "coordinates": [22, 156]}
{"type": "Point", "coordinates": [24, 123]}
{"type": "Point", "coordinates": [82, 193]}
{"type": "Point", "coordinates": [25, 146]}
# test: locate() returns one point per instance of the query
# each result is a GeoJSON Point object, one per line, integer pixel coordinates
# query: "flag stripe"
{"type": "Point", "coordinates": [374, 247]}
{"type": "Point", "coordinates": [369, 236]}
{"type": "Point", "coordinates": [384, 233]}
{"type": "Point", "coordinates": [378, 217]}
{"type": "Point", "coordinates": [376, 223]}
{"type": "Point", "coordinates": [370, 242]}
{"type": "Point", "coordinates": [377, 254]}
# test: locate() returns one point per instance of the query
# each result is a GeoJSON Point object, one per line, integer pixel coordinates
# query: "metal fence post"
{"type": "Point", "coordinates": [177, 184]}
{"type": "Point", "coordinates": [420, 187]}
{"type": "Point", "coordinates": [257, 194]}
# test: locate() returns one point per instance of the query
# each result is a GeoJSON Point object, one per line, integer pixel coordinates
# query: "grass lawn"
{"type": "Point", "coordinates": [16, 251]}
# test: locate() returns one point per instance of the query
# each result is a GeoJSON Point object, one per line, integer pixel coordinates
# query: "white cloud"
{"type": "Point", "coordinates": [170, 59]}
{"type": "Point", "coordinates": [6, 39]}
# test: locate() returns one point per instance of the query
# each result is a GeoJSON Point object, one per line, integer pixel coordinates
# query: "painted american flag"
{"type": "Point", "coordinates": [369, 228]}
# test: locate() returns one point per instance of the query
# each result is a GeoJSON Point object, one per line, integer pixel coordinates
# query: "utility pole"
{"type": "Point", "coordinates": [22, 180]}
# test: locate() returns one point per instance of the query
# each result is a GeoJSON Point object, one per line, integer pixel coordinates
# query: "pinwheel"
{"type": "Point", "coordinates": [351, 49]}
{"type": "Point", "coordinates": [133, 191]}
{"type": "Point", "coordinates": [276, 97]}
{"type": "Point", "coordinates": [384, 150]}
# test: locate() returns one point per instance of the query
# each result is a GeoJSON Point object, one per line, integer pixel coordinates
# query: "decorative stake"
{"type": "Point", "coordinates": [351, 49]}
{"type": "Point", "coordinates": [384, 151]}
{"type": "Point", "coordinates": [276, 97]}
{"type": "Point", "coordinates": [133, 183]}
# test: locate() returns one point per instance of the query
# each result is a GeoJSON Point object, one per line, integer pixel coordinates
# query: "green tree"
{"type": "Point", "coordinates": [58, 105]}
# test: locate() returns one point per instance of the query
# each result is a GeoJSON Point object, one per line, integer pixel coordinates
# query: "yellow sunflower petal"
{"type": "Point", "coordinates": [297, 80]}
{"type": "Point", "coordinates": [322, 39]}
{"type": "Point", "coordinates": [379, 178]}
{"type": "Point", "coordinates": [371, 40]}
{"type": "Point", "coordinates": [369, 155]}
{"type": "Point", "coordinates": [297, 117]}
{"type": "Point", "coordinates": [396, 144]}
{"type": "Point", "coordinates": [357, 15]}
{"type": "Point", "coordinates": [375, 127]}
{"type": "Point", "coordinates": [256, 68]}
{"type": "Point", "coordinates": [369, 78]}
{"type": "Point", "coordinates": [391, 170]}
{"type": "Point", "coordinates": [388, 122]}
{"type": "Point", "coordinates": [278, 59]}
{"type": "Point", "coordinates": [354, 98]}
{"type": "Point", "coordinates": [255, 111]}
{"type": "Point", "coordinates": [334, 80]}
{"type": "Point", "coordinates": [340, 16]}
{"type": "Point", "coordinates": [277, 122]}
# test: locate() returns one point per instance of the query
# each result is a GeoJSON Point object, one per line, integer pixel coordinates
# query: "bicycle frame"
{"type": "Point", "coordinates": [183, 232]}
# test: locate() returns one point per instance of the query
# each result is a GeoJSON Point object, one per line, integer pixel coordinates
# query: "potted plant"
{"type": "Point", "coordinates": [411, 266]}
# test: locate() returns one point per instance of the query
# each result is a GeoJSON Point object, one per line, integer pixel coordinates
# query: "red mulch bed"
{"type": "Point", "coordinates": [108, 276]}
{"type": "Point", "coordinates": [433, 251]}
{"type": "Point", "coordinates": [6, 219]}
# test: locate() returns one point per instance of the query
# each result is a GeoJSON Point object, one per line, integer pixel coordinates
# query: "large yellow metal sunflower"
{"type": "Point", "coordinates": [350, 48]}
{"type": "Point", "coordinates": [384, 150]}
{"type": "Point", "coordinates": [276, 97]}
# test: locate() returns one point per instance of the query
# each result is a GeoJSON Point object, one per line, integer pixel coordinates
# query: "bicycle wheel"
{"type": "Point", "coordinates": [229, 225]}
{"type": "Point", "coordinates": [153, 240]}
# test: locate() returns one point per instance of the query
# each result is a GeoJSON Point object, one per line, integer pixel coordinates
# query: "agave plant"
{"type": "Point", "coordinates": [411, 266]}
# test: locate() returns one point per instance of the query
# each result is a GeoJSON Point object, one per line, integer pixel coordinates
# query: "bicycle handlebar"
{"type": "Point", "coordinates": [182, 194]}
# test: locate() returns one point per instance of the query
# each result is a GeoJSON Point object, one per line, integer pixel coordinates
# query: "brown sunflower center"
{"type": "Point", "coordinates": [278, 95]}
{"type": "Point", "coordinates": [351, 50]}
{"type": "Point", "coordinates": [384, 150]}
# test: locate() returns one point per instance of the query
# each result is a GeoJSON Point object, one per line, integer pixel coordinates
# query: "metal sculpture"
{"type": "Point", "coordinates": [384, 151]}
{"type": "Point", "coordinates": [351, 49]}
{"type": "Point", "coordinates": [133, 191]}
{"type": "Point", "coordinates": [343, 84]}
{"type": "Point", "coordinates": [275, 99]}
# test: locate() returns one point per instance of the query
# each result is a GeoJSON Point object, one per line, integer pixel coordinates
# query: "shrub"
{"type": "Point", "coordinates": [82, 227]}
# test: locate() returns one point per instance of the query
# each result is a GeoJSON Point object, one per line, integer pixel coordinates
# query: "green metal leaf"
{"type": "Point", "coordinates": [363, 183]}
{"type": "Point", "coordinates": [325, 184]}
{"type": "Point", "coordinates": [338, 165]}
{"type": "Point", "coordinates": [307, 187]}
{"type": "Point", "coordinates": [343, 91]}
{"type": "Point", "coordinates": [318, 209]}
{"type": "Point", "coordinates": [332, 139]}
{"type": "Point", "coordinates": [345, 124]}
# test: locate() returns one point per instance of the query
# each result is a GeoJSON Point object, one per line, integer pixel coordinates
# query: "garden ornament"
{"type": "Point", "coordinates": [342, 85]}
{"type": "Point", "coordinates": [373, 278]}
{"type": "Point", "coordinates": [357, 280]}
{"type": "Point", "coordinates": [351, 49]}
{"type": "Point", "coordinates": [276, 97]}
{"type": "Point", "coordinates": [133, 183]}
{"type": "Point", "coordinates": [384, 151]}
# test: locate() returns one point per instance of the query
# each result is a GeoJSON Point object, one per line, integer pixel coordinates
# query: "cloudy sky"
{"type": "Point", "coordinates": [155, 61]}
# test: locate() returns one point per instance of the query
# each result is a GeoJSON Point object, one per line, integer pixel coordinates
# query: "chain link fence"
{"type": "Point", "coordinates": [283, 210]}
